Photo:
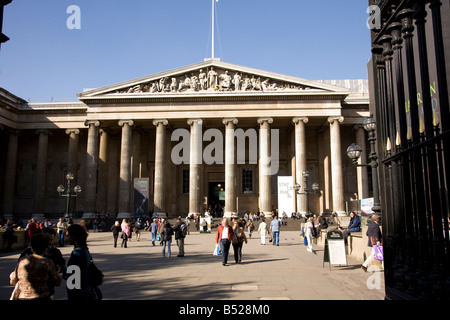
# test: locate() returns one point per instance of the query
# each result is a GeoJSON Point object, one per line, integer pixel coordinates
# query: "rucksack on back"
{"type": "Point", "coordinates": [183, 229]}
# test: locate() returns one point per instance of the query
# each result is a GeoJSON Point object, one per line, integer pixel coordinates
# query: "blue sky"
{"type": "Point", "coordinates": [124, 40]}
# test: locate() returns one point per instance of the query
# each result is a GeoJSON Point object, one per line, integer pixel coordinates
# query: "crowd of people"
{"type": "Point", "coordinates": [43, 258]}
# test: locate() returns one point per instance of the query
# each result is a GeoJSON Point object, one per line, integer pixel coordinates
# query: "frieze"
{"type": "Point", "coordinates": [212, 80]}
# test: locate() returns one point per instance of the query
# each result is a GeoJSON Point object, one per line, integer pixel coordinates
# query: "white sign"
{"type": "Point", "coordinates": [366, 206]}
{"type": "Point", "coordinates": [285, 196]}
{"type": "Point", "coordinates": [336, 250]}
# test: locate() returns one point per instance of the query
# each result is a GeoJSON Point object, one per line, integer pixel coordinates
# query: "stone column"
{"type": "Point", "coordinates": [159, 198]}
{"type": "Point", "coordinates": [72, 155]}
{"type": "Point", "coordinates": [337, 181]}
{"type": "Point", "coordinates": [90, 181]}
{"type": "Point", "coordinates": [125, 170]}
{"type": "Point", "coordinates": [72, 159]}
{"type": "Point", "coordinates": [41, 174]}
{"type": "Point", "coordinates": [103, 184]}
{"type": "Point", "coordinates": [300, 160]}
{"type": "Point", "coordinates": [265, 177]}
{"type": "Point", "coordinates": [10, 174]}
{"type": "Point", "coordinates": [361, 172]}
{"type": "Point", "coordinates": [195, 165]}
{"type": "Point", "coordinates": [230, 168]}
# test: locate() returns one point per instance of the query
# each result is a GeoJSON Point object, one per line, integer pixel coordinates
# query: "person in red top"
{"type": "Point", "coordinates": [224, 236]}
{"type": "Point", "coordinates": [31, 228]}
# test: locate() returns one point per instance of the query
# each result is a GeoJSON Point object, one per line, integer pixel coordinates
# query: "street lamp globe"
{"type": "Point", "coordinates": [60, 189]}
{"type": "Point", "coordinates": [370, 124]}
{"type": "Point", "coordinates": [297, 187]}
{"type": "Point", "coordinates": [70, 176]}
{"type": "Point", "coordinates": [77, 189]}
{"type": "Point", "coordinates": [354, 152]}
{"type": "Point", "coordinates": [315, 186]}
{"type": "Point", "coordinates": [306, 173]}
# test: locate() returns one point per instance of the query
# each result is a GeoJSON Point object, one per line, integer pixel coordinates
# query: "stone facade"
{"type": "Point", "coordinates": [178, 128]}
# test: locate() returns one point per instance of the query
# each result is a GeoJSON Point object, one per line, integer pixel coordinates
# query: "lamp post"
{"type": "Point", "coordinates": [354, 153]}
{"type": "Point", "coordinates": [315, 188]}
{"type": "Point", "coordinates": [68, 193]}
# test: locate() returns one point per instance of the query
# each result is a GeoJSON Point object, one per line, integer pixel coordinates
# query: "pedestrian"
{"type": "Point", "coordinates": [179, 236]}
{"type": "Point", "coordinates": [35, 275]}
{"type": "Point", "coordinates": [166, 237]}
{"type": "Point", "coordinates": [160, 229]}
{"type": "Point", "coordinates": [262, 230]}
{"type": "Point", "coordinates": [81, 258]}
{"type": "Point", "coordinates": [126, 232]}
{"type": "Point", "coordinates": [8, 235]}
{"type": "Point", "coordinates": [137, 228]}
{"type": "Point", "coordinates": [154, 230]}
{"type": "Point", "coordinates": [374, 238]}
{"type": "Point", "coordinates": [187, 222]}
{"type": "Point", "coordinates": [115, 231]}
{"type": "Point", "coordinates": [31, 228]}
{"type": "Point", "coordinates": [275, 230]}
{"type": "Point", "coordinates": [238, 241]}
{"type": "Point", "coordinates": [309, 233]}
{"type": "Point", "coordinates": [61, 227]}
{"type": "Point", "coordinates": [224, 236]}
{"type": "Point", "coordinates": [250, 228]}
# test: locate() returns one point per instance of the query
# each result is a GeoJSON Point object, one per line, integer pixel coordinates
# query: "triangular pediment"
{"type": "Point", "coordinates": [212, 78]}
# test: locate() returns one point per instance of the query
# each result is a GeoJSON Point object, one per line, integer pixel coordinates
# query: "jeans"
{"type": "Point", "coordinates": [169, 252]}
{"type": "Point", "coordinates": [309, 239]}
{"type": "Point", "coordinates": [61, 238]}
{"type": "Point", "coordinates": [180, 244]}
{"type": "Point", "coordinates": [276, 238]}
{"type": "Point", "coordinates": [237, 247]}
{"type": "Point", "coordinates": [153, 237]}
{"type": "Point", "coordinates": [225, 249]}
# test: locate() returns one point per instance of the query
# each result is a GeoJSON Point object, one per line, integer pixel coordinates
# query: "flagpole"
{"type": "Point", "coordinates": [213, 25]}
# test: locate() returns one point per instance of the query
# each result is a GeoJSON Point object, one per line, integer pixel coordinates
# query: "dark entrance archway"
{"type": "Point", "coordinates": [216, 198]}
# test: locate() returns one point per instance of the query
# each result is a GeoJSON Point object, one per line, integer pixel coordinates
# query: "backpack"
{"type": "Point", "coordinates": [183, 229]}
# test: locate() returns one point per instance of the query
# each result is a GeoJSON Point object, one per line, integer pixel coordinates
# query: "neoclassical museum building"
{"type": "Point", "coordinates": [191, 138]}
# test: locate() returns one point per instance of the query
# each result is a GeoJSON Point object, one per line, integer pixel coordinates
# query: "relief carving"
{"type": "Point", "coordinates": [214, 81]}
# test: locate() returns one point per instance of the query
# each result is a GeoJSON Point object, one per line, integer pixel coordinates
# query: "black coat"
{"type": "Point", "coordinates": [374, 234]}
{"type": "Point", "coordinates": [177, 229]}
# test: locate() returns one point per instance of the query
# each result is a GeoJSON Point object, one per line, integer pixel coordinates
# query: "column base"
{"type": "Point", "coordinates": [38, 216]}
{"type": "Point", "coordinates": [8, 216]}
{"type": "Point", "coordinates": [157, 215]}
{"type": "Point", "coordinates": [124, 215]}
{"type": "Point", "coordinates": [230, 215]}
{"type": "Point", "coordinates": [88, 215]}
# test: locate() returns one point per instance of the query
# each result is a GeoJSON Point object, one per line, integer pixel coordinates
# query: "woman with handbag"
{"type": "Point", "coordinates": [238, 241]}
{"type": "Point", "coordinates": [375, 238]}
{"type": "Point", "coordinates": [81, 259]}
{"type": "Point", "coordinates": [126, 233]}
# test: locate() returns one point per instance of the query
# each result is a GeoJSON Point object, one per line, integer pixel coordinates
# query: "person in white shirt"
{"type": "Point", "coordinates": [262, 230]}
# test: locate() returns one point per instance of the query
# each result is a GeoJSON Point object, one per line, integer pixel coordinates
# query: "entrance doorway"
{"type": "Point", "coordinates": [216, 198]}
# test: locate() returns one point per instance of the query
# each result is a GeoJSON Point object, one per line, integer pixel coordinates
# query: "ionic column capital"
{"type": "Point", "coordinates": [226, 121]}
{"type": "Point", "coordinates": [192, 121]}
{"type": "Point", "coordinates": [164, 122]}
{"type": "Point", "coordinates": [262, 120]}
{"type": "Point", "coordinates": [297, 120]}
{"type": "Point", "coordinates": [70, 131]}
{"type": "Point", "coordinates": [124, 122]}
{"type": "Point", "coordinates": [88, 123]}
{"type": "Point", "coordinates": [332, 119]}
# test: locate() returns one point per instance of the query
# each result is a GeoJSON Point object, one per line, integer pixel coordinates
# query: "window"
{"type": "Point", "coordinates": [186, 181]}
{"type": "Point", "coordinates": [247, 180]}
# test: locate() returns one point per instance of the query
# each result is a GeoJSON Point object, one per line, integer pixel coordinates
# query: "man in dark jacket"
{"type": "Point", "coordinates": [375, 238]}
{"type": "Point", "coordinates": [179, 236]}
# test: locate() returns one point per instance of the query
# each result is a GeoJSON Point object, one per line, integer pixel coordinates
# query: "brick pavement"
{"type": "Point", "coordinates": [287, 272]}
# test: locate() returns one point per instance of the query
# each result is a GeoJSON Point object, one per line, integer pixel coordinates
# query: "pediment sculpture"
{"type": "Point", "coordinates": [213, 80]}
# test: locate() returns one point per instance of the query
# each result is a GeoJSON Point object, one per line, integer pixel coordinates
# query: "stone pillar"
{"type": "Point", "coordinates": [41, 174]}
{"type": "Point", "coordinates": [10, 174]}
{"type": "Point", "coordinates": [195, 165]}
{"type": "Point", "coordinates": [72, 159]}
{"type": "Point", "coordinates": [265, 177]}
{"type": "Point", "coordinates": [159, 199]}
{"type": "Point", "coordinates": [125, 170]}
{"type": "Point", "coordinates": [300, 160]}
{"type": "Point", "coordinates": [72, 155]}
{"type": "Point", "coordinates": [230, 168]}
{"type": "Point", "coordinates": [103, 183]}
{"type": "Point", "coordinates": [337, 181]}
{"type": "Point", "coordinates": [90, 180]}
{"type": "Point", "coordinates": [361, 172]}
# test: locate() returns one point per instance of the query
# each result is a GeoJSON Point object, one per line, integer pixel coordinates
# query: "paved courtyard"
{"type": "Point", "coordinates": [286, 272]}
